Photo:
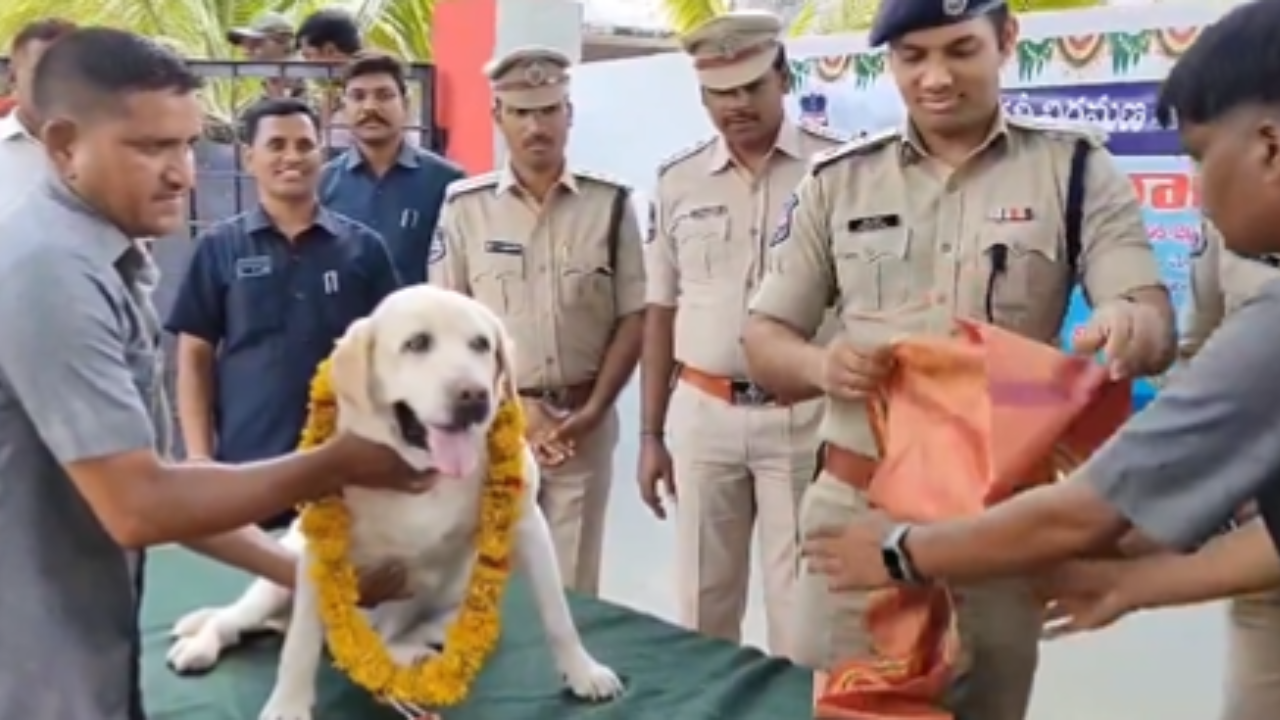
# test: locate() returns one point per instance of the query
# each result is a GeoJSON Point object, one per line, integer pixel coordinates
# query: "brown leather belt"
{"type": "Point", "coordinates": [734, 392]}
{"type": "Point", "coordinates": [850, 468]}
{"type": "Point", "coordinates": [568, 397]}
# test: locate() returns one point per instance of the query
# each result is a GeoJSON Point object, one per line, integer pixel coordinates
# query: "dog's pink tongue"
{"type": "Point", "coordinates": [454, 453]}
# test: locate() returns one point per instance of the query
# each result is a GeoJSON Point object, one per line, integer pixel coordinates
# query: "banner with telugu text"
{"type": "Point", "coordinates": [1108, 78]}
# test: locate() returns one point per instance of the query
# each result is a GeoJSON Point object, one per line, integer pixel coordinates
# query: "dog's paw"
{"type": "Point", "coordinates": [589, 680]}
{"type": "Point", "coordinates": [196, 652]}
{"type": "Point", "coordinates": [191, 623]}
{"type": "Point", "coordinates": [286, 707]}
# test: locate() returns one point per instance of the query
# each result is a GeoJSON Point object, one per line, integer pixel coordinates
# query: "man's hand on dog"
{"type": "Point", "coordinates": [540, 427]}
{"type": "Point", "coordinates": [367, 464]}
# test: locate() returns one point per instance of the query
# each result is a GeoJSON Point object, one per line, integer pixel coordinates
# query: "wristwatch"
{"type": "Point", "coordinates": [897, 561]}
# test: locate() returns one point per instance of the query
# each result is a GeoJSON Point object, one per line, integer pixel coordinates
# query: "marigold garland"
{"type": "Point", "coordinates": [444, 680]}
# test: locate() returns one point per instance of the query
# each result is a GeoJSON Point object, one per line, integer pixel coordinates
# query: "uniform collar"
{"type": "Point", "coordinates": [111, 245]}
{"type": "Point", "coordinates": [11, 128]}
{"type": "Point", "coordinates": [913, 149]}
{"type": "Point", "coordinates": [788, 143]}
{"type": "Point", "coordinates": [406, 158]}
{"type": "Point", "coordinates": [257, 220]}
{"type": "Point", "coordinates": [508, 181]}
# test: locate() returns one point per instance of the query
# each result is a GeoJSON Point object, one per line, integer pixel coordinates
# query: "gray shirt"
{"type": "Point", "coordinates": [78, 372]}
{"type": "Point", "coordinates": [1209, 442]}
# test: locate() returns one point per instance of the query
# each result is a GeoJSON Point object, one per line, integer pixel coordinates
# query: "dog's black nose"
{"type": "Point", "coordinates": [470, 407]}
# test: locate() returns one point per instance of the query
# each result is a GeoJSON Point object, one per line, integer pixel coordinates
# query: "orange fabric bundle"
{"type": "Point", "coordinates": [964, 423]}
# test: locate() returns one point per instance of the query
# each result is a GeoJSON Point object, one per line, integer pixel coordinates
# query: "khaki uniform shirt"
{"type": "Point", "coordinates": [709, 233]}
{"type": "Point", "coordinates": [905, 244]}
{"type": "Point", "coordinates": [544, 269]}
{"type": "Point", "coordinates": [1221, 281]}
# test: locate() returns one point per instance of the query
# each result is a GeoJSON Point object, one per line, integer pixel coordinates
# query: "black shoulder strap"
{"type": "Point", "coordinates": [619, 209]}
{"type": "Point", "coordinates": [1074, 220]}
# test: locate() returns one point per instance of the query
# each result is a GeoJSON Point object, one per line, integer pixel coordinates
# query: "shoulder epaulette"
{"type": "Point", "coordinates": [1065, 130]}
{"type": "Point", "coordinates": [683, 155]}
{"type": "Point", "coordinates": [599, 177]}
{"type": "Point", "coordinates": [823, 132]}
{"type": "Point", "coordinates": [862, 146]}
{"type": "Point", "coordinates": [471, 184]}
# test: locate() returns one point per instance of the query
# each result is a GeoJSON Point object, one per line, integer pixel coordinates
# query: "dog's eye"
{"type": "Point", "coordinates": [419, 343]}
{"type": "Point", "coordinates": [481, 344]}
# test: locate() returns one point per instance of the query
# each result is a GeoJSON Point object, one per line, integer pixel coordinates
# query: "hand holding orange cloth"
{"type": "Point", "coordinates": [963, 423]}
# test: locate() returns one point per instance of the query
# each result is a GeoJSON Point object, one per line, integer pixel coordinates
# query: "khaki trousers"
{"type": "Point", "coordinates": [1253, 658]}
{"type": "Point", "coordinates": [574, 497]}
{"type": "Point", "coordinates": [738, 470]}
{"type": "Point", "coordinates": [999, 623]}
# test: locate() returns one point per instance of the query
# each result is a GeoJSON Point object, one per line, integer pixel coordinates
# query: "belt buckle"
{"type": "Point", "coordinates": [744, 392]}
{"type": "Point", "coordinates": [556, 399]}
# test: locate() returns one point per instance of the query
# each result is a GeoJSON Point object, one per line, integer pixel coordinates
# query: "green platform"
{"type": "Point", "coordinates": [671, 674]}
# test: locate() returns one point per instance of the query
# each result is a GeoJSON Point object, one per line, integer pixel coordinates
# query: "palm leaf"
{"type": "Point", "coordinates": [685, 15]}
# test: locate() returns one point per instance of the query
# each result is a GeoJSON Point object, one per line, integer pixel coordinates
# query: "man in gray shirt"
{"type": "Point", "coordinates": [82, 489]}
{"type": "Point", "coordinates": [1210, 442]}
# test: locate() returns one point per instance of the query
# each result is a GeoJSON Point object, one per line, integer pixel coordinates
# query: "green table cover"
{"type": "Point", "coordinates": [671, 674]}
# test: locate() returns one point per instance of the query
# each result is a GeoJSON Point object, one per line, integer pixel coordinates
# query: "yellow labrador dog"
{"type": "Point", "coordinates": [424, 374]}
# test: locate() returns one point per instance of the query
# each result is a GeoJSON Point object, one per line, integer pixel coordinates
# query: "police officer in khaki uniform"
{"type": "Point", "coordinates": [960, 213]}
{"type": "Point", "coordinates": [1221, 282]}
{"type": "Point", "coordinates": [741, 457]}
{"type": "Point", "coordinates": [556, 251]}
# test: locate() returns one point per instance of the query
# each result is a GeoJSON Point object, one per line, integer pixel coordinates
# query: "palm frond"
{"type": "Point", "coordinates": [685, 15]}
{"type": "Point", "coordinates": [830, 17]}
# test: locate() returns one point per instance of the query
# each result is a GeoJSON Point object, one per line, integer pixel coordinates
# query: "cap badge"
{"type": "Point", "coordinates": [955, 8]}
{"type": "Point", "coordinates": [536, 74]}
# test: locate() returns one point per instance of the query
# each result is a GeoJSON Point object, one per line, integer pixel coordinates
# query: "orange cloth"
{"type": "Point", "coordinates": [963, 422]}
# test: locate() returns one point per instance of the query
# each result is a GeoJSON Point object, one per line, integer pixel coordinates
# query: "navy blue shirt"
{"type": "Point", "coordinates": [403, 205]}
{"type": "Point", "coordinates": [273, 309]}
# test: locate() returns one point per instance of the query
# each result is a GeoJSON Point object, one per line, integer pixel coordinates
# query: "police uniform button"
{"type": "Point", "coordinates": [946, 248]}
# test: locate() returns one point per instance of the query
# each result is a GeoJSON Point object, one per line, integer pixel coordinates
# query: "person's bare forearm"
{"type": "Point", "coordinates": [1156, 299]}
{"type": "Point", "coordinates": [619, 362]}
{"type": "Point", "coordinates": [657, 367]}
{"type": "Point", "coordinates": [252, 550]}
{"type": "Point", "coordinates": [1238, 563]}
{"type": "Point", "coordinates": [1028, 533]}
{"type": "Point", "coordinates": [182, 503]}
{"type": "Point", "coordinates": [195, 396]}
{"type": "Point", "coordinates": [781, 360]}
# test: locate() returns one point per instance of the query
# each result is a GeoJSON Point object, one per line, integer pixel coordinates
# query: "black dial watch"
{"type": "Point", "coordinates": [897, 561]}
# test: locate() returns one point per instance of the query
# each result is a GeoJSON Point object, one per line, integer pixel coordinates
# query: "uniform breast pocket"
{"type": "Point", "coordinates": [1034, 273]}
{"type": "Point", "coordinates": [498, 281]}
{"type": "Point", "coordinates": [255, 307]}
{"type": "Point", "coordinates": [587, 284]}
{"type": "Point", "coordinates": [702, 244]}
{"type": "Point", "coordinates": [872, 269]}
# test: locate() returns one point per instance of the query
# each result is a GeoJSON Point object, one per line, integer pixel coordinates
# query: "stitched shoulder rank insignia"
{"type": "Point", "coordinates": [823, 132]}
{"type": "Point", "coordinates": [1064, 130]}
{"type": "Point", "coordinates": [862, 146]}
{"type": "Point", "coordinates": [683, 155]}
{"type": "Point", "coordinates": [469, 185]}
{"type": "Point", "coordinates": [599, 177]}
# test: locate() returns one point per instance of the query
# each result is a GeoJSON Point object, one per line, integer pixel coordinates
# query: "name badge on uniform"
{"type": "Point", "coordinates": [872, 223]}
{"type": "Point", "coordinates": [502, 247]}
{"type": "Point", "coordinates": [253, 267]}
{"type": "Point", "coordinates": [1011, 215]}
{"type": "Point", "coordinates": [708, 211]}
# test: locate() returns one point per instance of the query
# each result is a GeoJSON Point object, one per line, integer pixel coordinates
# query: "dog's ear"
{"type": "Point", "coordinates": [506, 383]}
{"type": "Point", "coordinates": [350, 372]}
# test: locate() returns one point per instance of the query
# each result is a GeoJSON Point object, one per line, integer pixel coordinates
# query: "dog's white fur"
{"type": "Point", "coordinates": [381, 361]}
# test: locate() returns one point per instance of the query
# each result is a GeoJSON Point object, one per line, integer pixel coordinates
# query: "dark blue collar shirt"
{"type": "Point", "coordinates": [403, 205]}
{"type": "Point", "coordinates": [273, 308]}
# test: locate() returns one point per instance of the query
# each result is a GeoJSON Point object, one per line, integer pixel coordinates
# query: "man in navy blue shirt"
{"type": "Point", "coordinates": [267, 294]}
{"type": "Point", "coordinates": [383, 181]}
